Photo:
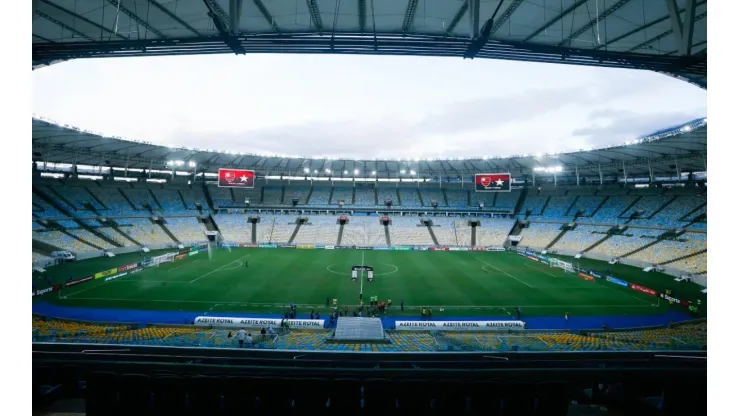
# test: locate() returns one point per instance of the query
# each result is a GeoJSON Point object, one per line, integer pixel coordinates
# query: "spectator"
{"type": "Point", "coordinates": [240, 336]}
{"type": "Point", "coordinates": [250, 341]}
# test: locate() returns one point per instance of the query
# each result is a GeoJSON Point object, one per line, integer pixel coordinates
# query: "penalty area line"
{"type": "Point", "coordinates": [520, 281]}
{"type": "Point", "coordinates": [215, 270]}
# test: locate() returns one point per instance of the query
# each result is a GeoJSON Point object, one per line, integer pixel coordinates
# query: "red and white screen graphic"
{"type": "Point", "coordinates": [235, 178]}
{"type": "Point", "coordinates": [493, 182]}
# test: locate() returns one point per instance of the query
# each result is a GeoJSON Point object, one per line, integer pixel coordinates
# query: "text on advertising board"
{"type": "Point", "coordinates": [459, 325]}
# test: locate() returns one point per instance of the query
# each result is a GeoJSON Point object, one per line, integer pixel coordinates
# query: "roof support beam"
{"type": "Point", "coordinates": [222, 21]}
{"type": "Point", "coordinates": [408, 18]}
{"type": "Point", "coordinates": [63, 25]}
{"type": "Point", "coordinates": [361, 15]}
{"type": "Point", "coordinates": [266, 14]}
{"type": "Point", "coordinates": [133, 16]}
{"type": "Point", "coordinates": [682, 31]}
{"type": "Point", "coordinates": [81, 18]}
{"type": "Point", "coordinates": [235, 13]}
{"type": "Point", "coordinates": [313, 8]}
{"type": "Point", "coordinates": [601, 16]}
{"type": "Point", "coordinates": [458, 16]}
{"type": "Point", "coordinates": [174, 17]}
{"type": "Point", "coordinates": [507, 15]}
{"type": "Point", "coordinates": [474, 7]}
{"type": "Point", "coordinates": [555, 19]}
{"type": "Point", "coordinates": [662, 35]}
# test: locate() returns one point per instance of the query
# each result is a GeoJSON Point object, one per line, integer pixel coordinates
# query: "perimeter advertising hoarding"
{"type": "Point", "coordinates": [493, 182]}
{"type": "Point", "coordinates": [236, 178]}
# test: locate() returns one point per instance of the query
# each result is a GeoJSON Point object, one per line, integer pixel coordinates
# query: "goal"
{"type": "Point", "coordinates": [567, 267]}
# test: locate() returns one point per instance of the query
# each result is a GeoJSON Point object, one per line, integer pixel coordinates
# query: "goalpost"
{"type": "Point", "coordinates": [567, 267]}
{"type": "Point", "coordinates": [215, 239]}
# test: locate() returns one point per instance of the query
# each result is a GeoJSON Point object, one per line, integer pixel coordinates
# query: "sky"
{"type": "Point", "coordinates": [362, 107]}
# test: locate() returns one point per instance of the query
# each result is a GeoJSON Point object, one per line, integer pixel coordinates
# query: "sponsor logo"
{"type": "Point", "coordinates": [286, 246]}
{"type": "Point", "coordinates": [248, 245]}
{"type": "Point", "coordinates": [146, 263]}
{"type": "Point", "coordinates": [439, 249]}
{"type": "Point", "coordinates": [306, 247]}
{"type": "Point", "coordinates": [135, 271]}
{"type": "Point", "coordinates": [40, 292]}
{"type": "Point", "coordinates": [619, 282]}
{"type": "Point", "coordinates": [128, 267]}
{"type": "Point", "coordinates": [586, 277]}
{"type": "Point", "coordinates": [596, 274]}
{"type": "Point", "coordinates": [257, 322]}
{"type": "Point", "coordinates": [456, 325]}
{"type": "Point", "coordinates": [671, 299]}
{"type": "Point", "coordinates": [328, 247]}
{"type": "Point", "coordinates": [268, 245]}
{"type": "Point", "coordinates": [106, 273]}
{"type": "Point", "coordinates": [108, 279]}
{"type": "Point", "coordinates": [642, 289]}
{"type": "Point", "coordinates": [180, 256]}
{"type": "Point", "coordinates": [382, 249]}
{"type": "Point", "coordinates": [185, 251]}
{"type": "Point", "coordinates": [78, 281]}
{"type": "Point", "coordinates": [533, 258]}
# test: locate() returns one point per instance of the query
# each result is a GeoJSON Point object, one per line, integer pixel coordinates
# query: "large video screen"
{"type": "Point", "coordinates": [493, 182]}
{"type": "Point", "coordinates": [235, 178]}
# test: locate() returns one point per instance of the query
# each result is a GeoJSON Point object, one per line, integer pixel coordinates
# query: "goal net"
{"type": "Point", "coordinates": [165, 258]}
{"type": "Point", "coordinates": [567, 267]}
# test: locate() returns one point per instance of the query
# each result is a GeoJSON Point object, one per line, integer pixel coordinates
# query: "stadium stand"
{"type": "Point", "coordinates": [534, 204]}
{"type": "Point", "coordinates": [141, 198]}
{"type": "Point", "coordinates": [409, 198]}
{"type": "Point", "coordinates": [283, 228]}
{"type": "Point", "coordinates": [493, 232]}
{"type": "Point", "coordinates": [670, 249]}
{"type": "Point", "coordinates": [433, 194]}
{"type": "Point", "coordinates": [648, 205]}
{"type": "Point", "coordinates": [192, 197]}
{"type": "Point", "coordinates": [236, 228]}
{"type": "Point", "coordinates": [365, 231]}
{"type": "Point", "coordinates": [296, 192]}
{"type": "Point", "coordinates": [37, 257]}
{"type": "Point", "coordinates": [254, 195]}
{"type": "Point", "coordinates": [319, 230]}
{"type": "Point", "coordinates": [170, 201]}
{"type": "Point", "coordinates": [221, 197]}
{"type": "Point", "coordinates": [446, 233]}
{"type": "Point", "coordinates": [264, 228]}
{"type": "Point", "coordinates": [45, 210]}
{"type": "Point", "coordinates": [539, 235]}
{"type": "Point", "coordinates": [507, 200]}
{"type": "Point", "coordinates": [272, 195]}
{"type": "Point", "coordinates": [79, 196]}
{"type": "Point", "coordinates": [673, 213]}
{"type": "Point", "coordinates": [320, 195]}
{"type": "Point", "coordinates": [68, 224]}
{"type": "Point", "coordinates": [342, 193]}
{"type": "Point", "coordinates": [609, 213]}
{"type": "Point", "coordinates": [409, 231]}
{"type": "Point", "coordinates": [63, 241]}
{"type": "Point", "coordinates": [632, 239]}
{"type": "Point", "coordinates": [36, 226]}
{"type": "Point", "coordinates": [581, 238]}
{"type": "Point", "coordinates": [115, 236]}
{"type": "Point", "coordinates": [390, 194]}
{"type": "Point", "coordinates": [89, 237]}
{"type": "Point", "coordinates": [187, 229]}
{"type": "Point", "coordinates": [115, 202]}
{"type": "Point", "coordinates": [558, 208]}
{"type": "Point", "coordinates": [456, 198]}
{"type": "Point", "coordinates": [146, 232]}
{"type": "Point", "coordinates": [696, 264]}
{"type": "Point", "coordinates": [586, 205]}
{"type": "Point", "coordinates": [365, 197]}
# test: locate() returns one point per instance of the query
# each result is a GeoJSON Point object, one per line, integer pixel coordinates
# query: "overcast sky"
{"type": "Point", "coordinates": [362, 106]}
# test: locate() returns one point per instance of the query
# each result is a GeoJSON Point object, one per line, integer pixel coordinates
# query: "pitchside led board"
{"type": "Point", "coordinates": [493, 182]}
{"type": "Point", "coordinates": [235, 178]}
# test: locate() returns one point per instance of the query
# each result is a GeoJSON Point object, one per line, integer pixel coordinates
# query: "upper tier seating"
{"type": "Point", "coordinates": [535, 203]}
{"type": "Point", "coordinates": [507, 200]}
{"type": "Point", "coordinates": [92, 238]}
{"type": "Point", "coordinates": [254, 195]}
{"type": "Point", "coordinates": [45, 209]}
{"type": "Point", "coordinates": [186, 229]}
{"type": "Point", "coordinates": [193, 196]}
{"type": "Point", "coordinates": [320, 195]}
{"type": "Point", "coordinates": [586, 204]}
{"type": "Point", "coordinates": [364, 197]}
{"type": "Point", "coordinates": [609, 212]}
{"type": "Point", "coordinates": [493, 232]}
{"type": "Point", "coordinates": [115, 202]}
{"type": "Point", "coordinates": [342, 193]}
{"type": "Point", "coordinates": [141, 198]}
{"type": "Point", "coordinates": [221, 197]}
{"type": "Point", "coordinates": [456, 198]}
{"type": "Point", "coordinates": [409, 231]}
{"type": "Point", "coordinates": [672, 215]}
{"type": "Point", "coordinates": [170, 201]}
{"type": "Point", "coordinates": [665, 250]}
{"type": "Point", "coordinates": [632, 239]}
{"type": "Point", "coordinates": [63, 241]}
{"type": "Point", "coordinates": [558, 208]}
{"type": "Point", "coordinates": [272, 195]}
{"type": "Point", "coordinates": [296, 192]}
{"type": "Point", "coordinates": [409, 198]}
{"type": "Point", "coordinates": [430, 195]}
{"type": "Point", "coordinates": [386, 194]}
{"type": "Point", "coordinates": [539, 235]}
{"type": "Point", "coordinates": [648, 205]}
{"type": "Point", "coordinates": [115, 236]}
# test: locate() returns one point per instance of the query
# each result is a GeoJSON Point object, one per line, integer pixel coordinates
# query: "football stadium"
{"type": "Point", "coordinates": [366, 277]}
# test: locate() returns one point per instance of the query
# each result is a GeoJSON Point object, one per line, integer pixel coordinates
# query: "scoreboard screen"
{"type": "Point", "coordinates": [493, 182]}
{"type": "Point", "coordinates": [235, 178]}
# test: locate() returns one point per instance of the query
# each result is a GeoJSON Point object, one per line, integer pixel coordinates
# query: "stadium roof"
{"type": "Point", "coordinates": [669, 36]}
{"type": "Point", "coordinates": [685, 146]}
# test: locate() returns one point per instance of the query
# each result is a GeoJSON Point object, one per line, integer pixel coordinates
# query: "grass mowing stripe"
{"type": "Point", "coordinates": [520, 281]}
{"type": "Point", "coordinates": [215, 270]}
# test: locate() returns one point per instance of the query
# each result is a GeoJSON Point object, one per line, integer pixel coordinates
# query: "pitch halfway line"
{"type": "Point", "coordinates": [215, 270]}
{"type": "Point", "coordinates": [221, 302]}
{"type": "Point", "coordinates": [520, 281]}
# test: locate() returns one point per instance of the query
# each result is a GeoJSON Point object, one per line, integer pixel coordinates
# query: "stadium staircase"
{"type": "Point", "coordinates": [473, 231]}
{"type": "Point", "coordinates": [158, 206]}
{"type": "Point", "coordinates": [168, 232]}
{"type": "Point", "coordinates": [44, 248]}
{"type": "Point", "coordinates": [444, 197]}
{"type": "Point", "coordinates": [125, 197]}
{"type": "Point", "coordinates": [208, 198]}
{"type": "Point", "coordinates": [520, 202]}
{"type": "Point", "coordinates": [95, 197]}
{"type": "Point", "coordinates": [61, 229]}
{"type": "Point", "coordinates": [626, 210]}
{"type": "Point", "coordinates": [254, 233]}
{"type": "Point", "coordinates": [125, 235]}
{"type": "Point", "coordinates": [387, 235]}
{"type": "Point", "coordinates": [563, 230]}
{"type": "Point", "coordinates": [692, 217]}
{"type": "Point", "coordinates": [683, 257]}
{"type": "Point", "coordinates": [544, 207]}
{"type": "Point", "coordinates": [308, 197]}
{"type": "Point", "coordinates": [434, 237]}
{"type": "Point", "coordinates": [398, 195]}
{"type": "Point", "coordinates": [421, 198]}
{"type": "Point", "coordinates": [652, 243]}
{"type": "Point", "coordinates": [181, 199]}
{"type": "Point", "coordinates": [375, 194]}
{"type": "Point", "coordinates": [99, 234]}
{"type": "Point", "coordinates": [331, 194]}
{"type": "Point", "coordinates": [295, 232]}
{"type": "Point", "coordinates": [210, 223]}
{"type": "Point", "coordinates": [606, 237]}
{"type": "Point", "coordinates": [662, 207]}
{"type": "Point", "coordinates": [282, 196]}
{"type": "Point", "coordinates": [573, 204]}
{"type": "Point", "coordinates": [53, 190]}
{"type": "Point", "coordinates": [341, 232]}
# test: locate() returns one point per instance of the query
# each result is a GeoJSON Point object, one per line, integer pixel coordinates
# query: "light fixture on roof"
{"type": "Point", "coordinates": [345, 172]}
{"type": "Point", "coordinates": [412, 172]}
{"type": "Point", "coordinates": [357, 171]}
{"type": "Point", "coordinates": [315, 171]}
{"type": "Point", "coordinates": [191, 164]}
{"type": "Point", "coordinates": [373, 173]}
{"type": "Point", "coordinates": [403, 171]}
{"type": "Point", "coordinates": [327, 170]}
{"type": "Point", "coordinates": [306, 170]}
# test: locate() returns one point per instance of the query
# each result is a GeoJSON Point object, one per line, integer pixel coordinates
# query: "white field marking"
{"type": "Point", "coordinates": [215, 270]}
{"type": "Point", "coordinates": [186, 264]}
{"type": "Point", "coordinates": [361, 273]}
{"type": "Point", "coordinates": [84, 290]}
{"type": "Point", "coordinates": [627, 294]}
{"type": "Point", "coordinates": [505, 310]}
{"type": "Point", "coordinates": [317, 305]}
{"type": "Point", "coordinates": [240, 264]}
{"type": "Point", "coordinates": [146, 281]}
{"type": "Point", "coordinates": [520, 281]}
{"type": "Point", "coordinates": [532, 267]}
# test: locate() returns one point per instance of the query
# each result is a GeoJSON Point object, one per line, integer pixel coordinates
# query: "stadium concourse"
{"type": "Point", "coordinates": [576, 246]}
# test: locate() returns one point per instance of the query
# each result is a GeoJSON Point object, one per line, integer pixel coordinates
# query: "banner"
{"type": "Point", "coordinates": [619, 282]}
{"type": "Point", "coordinates": [184, 251]}
{"type": "Point", "coordinates": [106, 273]}
{"type": "Point", "coordinates": [328, 247]}
{"type": "Point", "coordinates": [533, 258]}
{"type": "Point", "coordinates": [492, 182]}
{"type": "Point", "coordinates": [439, 249]}
{"type": "Point", "coordinates": [584, 276]}
{"type": "Point", "coordinates": [192, 253]}
{"type": "Point", "coordinates": [382, 249]}
{"type": "Point", "coordinates": [268, 245]}
{"type": "Point", "coordinates": [306, 247]}
{"type": "Point", "coordinates": [319, 247]}
{"type": "Point", "coordinates": [458, 249]}
{"type": "Point", "coordinates": [128, 267]}
{"type": "Point", "coordinates": [458, 325]}
{"type": "Point", "coordinates": [642, 289]}
{"type": "Point", "coordinates": [248, 245]}
{"type": "Point", "coordinates": [108, 279]}
{"type": "Point", "coordinates": [78, 281]}
{"type": "Point", "coordinates": [135, 271]}
{"type": "Point", "coordinates": [49, 289]}
{"type": "Point", "coordinates": [596, 274]}
{"type": "Point", "coordinates": [402, 248]}
{"type": "Point", "coordinates": [180, 256]}
{"type": "Point", "coordinates": [477, 249]}
{"type": "Point", "coordinates": [235, 178]}
{"type": "Point", "coordinates": [226, 322]}
{"type": "Point", "coordinates": [495, 249]}
{"type": "Point", "coordinates": [286, 246]}
{"type": "Point", "coordinates": [515, 238]}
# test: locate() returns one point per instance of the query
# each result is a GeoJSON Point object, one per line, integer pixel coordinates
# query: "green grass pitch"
{"type": "Point", "coordinates": [461, 283]}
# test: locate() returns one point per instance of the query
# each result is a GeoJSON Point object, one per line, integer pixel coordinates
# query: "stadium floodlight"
{"type": "Point", "coordinates": [412, 172]}
{"type": "Point", "coordinates": [315, 171]}
{"type": "Point", "coordinates": [306, 170]}
{"type": "Point", "coordinates": [345, 172]}
{"type": "Point", "coordinates": [357, 171]}
{"type": "Point", "coordinates": [191, 164]}
{"type": "Point", "coordinates": [327, 170]}
{"type": "Point", "coordinates": [403, 171]}
{"type": "Point", "coordinates": [373, 173]}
